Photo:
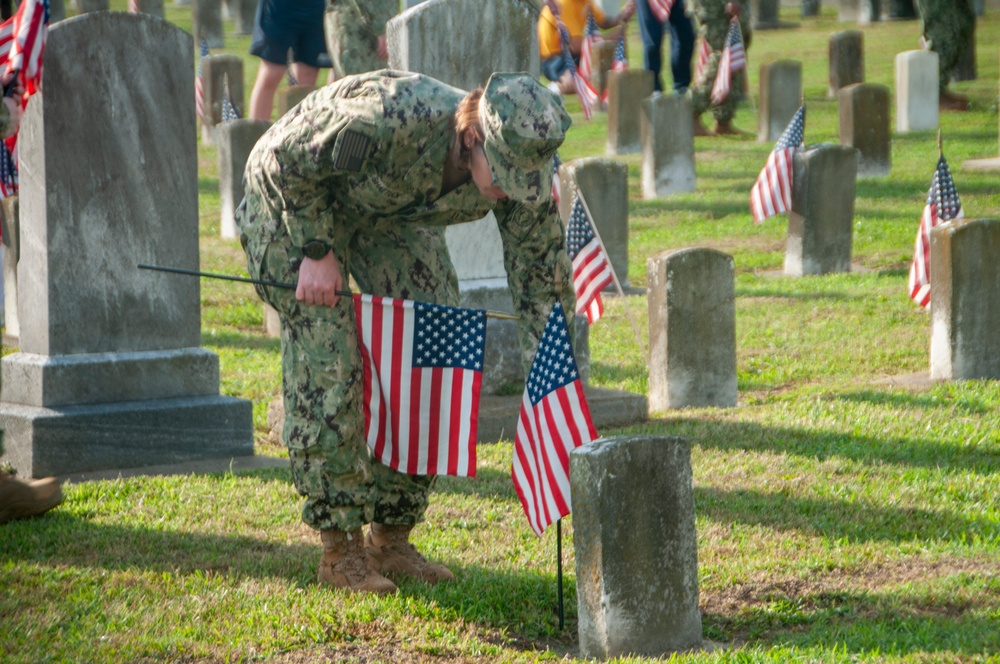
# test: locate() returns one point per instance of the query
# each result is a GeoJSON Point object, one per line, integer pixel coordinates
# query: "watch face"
{"type": "Point", "coordinates": [315, 250]}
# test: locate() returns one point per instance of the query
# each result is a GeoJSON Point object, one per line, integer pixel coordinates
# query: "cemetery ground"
{"type": "Point", "coordinates": [847, 509]}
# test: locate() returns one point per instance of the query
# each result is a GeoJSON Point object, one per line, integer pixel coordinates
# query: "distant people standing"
{"type": "Point", "coordinates": [280, 26]}
{"type": "Point", "coordinates": [355, 34]}
{"type": "Point", "coordinates": [948, 26]}
{"type": "Point", "coordinates": [681, 43]}
{"type": "Point", "coordinates": [714, 17]}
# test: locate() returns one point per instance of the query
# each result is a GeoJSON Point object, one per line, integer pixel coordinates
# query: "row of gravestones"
{"type": "Point", "coordinates": [207, 15]}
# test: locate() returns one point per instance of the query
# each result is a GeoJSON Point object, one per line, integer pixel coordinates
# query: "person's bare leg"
{"type": "Point", "coordinates": [269, 76]}
{"type": "Point", "coordinates": [305, 74]}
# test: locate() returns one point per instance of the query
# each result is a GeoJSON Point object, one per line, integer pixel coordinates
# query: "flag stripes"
{"type": "Point", "coordinates": [942, 205]}
{"type": "Point", "coordinates": [591, 266]}
{"type": "Point", "coordinates": [772, 192]}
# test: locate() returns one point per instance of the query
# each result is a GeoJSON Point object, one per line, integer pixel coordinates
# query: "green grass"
{"type": "Point", "coordinates": [842, 513]}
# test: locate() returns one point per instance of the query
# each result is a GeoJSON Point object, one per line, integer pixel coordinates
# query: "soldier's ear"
{"type": "Point", "coordinates": [469, 138]}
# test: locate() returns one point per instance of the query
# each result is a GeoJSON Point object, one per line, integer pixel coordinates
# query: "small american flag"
{"type": "Point", "coordinates": [772, 193]}
{"type": "Point", "coordinates": [619, 62]}
{"type": "Point", "coordinates": [133, 6]}
{"type": "Point", "coordinates": [591, 267]}
{"type": "Point", "coordinates": [661, 9]}
{"type": "Point", "coordinates": [556, 184]}
{"type": "Point", "coordinates": [8, 172]}
{"type": "Point", "coordinates": [22, 42]}
{"type": "Point", "coordinates": [734, 59]}
{"type": "Point", "coordinates": [199, 83]}
{"type": "Point", "coordinates": [704, 53]}
{"type": "Point", "coordinates": [422, 374]}
{"type": "Point", "coordinates": [554, 420]}
{"type": "Point", "coordinates": [584, 90]}
{"type": "Point", "coordinates": [942, 205]}
{"type": "Point", "coordinates": [591, 37]}
{"type": "Point", "coordinates": [229, 111]}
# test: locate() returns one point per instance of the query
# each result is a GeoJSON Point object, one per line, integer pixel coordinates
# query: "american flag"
{"type": "Point", "coordinates": [591, 37]}
{"type": "Point", "coordinates": [556, 184]}
{"type": "Point", "coordinates": [704, 53]}
{"type": "Point", "coordinates": [554, 420]}
{"type": "Point", "coordinates": [229, 112]}
{"type": "Point", "coordinates": [772, 193]}
{"type": "Point", "coordinates": [422, 374]}
{"type": "Point", "coordinates": [8, 172]}
{"type": "Point", "coordinates": [133, 6]}
{"type": "Point", "coordinates": [591, 267]}
{"type": "Point", "coordinates": [619, 61]}
{"type": "Point", "coordinates": [734, 58]}
{"type": "Point", "coordinates": [942, 205]}
{"type": "Point", "coordinates": [22, 43]}
{"type": "Point", "coordinates": [584, 90]}
{"type": "Point", "coordinates": [661, 9]}
{"type": "Point", "coordinates": [199, 83]}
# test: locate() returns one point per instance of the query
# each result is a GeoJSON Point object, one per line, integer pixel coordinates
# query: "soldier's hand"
{"type": "Point", "coordinates": [319, 281]}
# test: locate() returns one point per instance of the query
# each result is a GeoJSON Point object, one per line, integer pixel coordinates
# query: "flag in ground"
{"type": "Point", "coordinates": [591, 37]}
{"type": "Point", "coordinates": [423, 368]}
{"type": "Point", "coordinates": [734, 59]}
{"type": "Point", "coordinates": [22, 43]}
{"type": "Point", "coordinates": [704, 53]}
{"type": "Point", "coordinates": [554, 420]}
{"type": "Point", "coordinates": [199, 84]}
{"type": "Point", "coordinates": [229, 112]}
{"type": "Point", "coordinates": [584, 90]}
{"type": "Point", "coordinates": [591, 267]}
{"type": "Point", "coordinates": [942, 205]}
{"type": "Point", "coordinates": [619, 61]}
{"type": "Point", "coordinates": [772, 193]}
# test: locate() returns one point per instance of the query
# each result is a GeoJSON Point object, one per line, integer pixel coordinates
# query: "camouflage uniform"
{"type": "Point", "coordinates": [713, 26]}
{"type": "Point", "coordinates": [358, 165]}
{"type": "Point", "coordinates": [352, 29]}
{"type": "Point", "coordinates": [948, 25]}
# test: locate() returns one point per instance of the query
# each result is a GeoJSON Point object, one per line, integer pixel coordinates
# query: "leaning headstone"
{"type": "Point", "coordinates": [626, 90]}
{"type": "Point", "coordinates": [849, 11]}
{"type": "Point", "coordinates": [604, 186]}
{"type": "Point", "coordinates": [692, 329]}
{"type": "Point", "coordinates": [290, 96]}
{"type": "Point", "coordinates": [603, 54]}
{"type": "Point", "coordinates": [667, 132]}
{"type": "Point", "coordinates": [780, 97]}
{"type": "Point", "coordinates": [811, 8]}
{"type": "Point", "coordinates": [821, 221]}
{"type": "Point", "coordinates": [220, 73]}
{"type": "Point", "coordinates": [636, 547]}
{"type": "Point", "coordinates": [916, 90]}
{"type": "Point", "coordinates": [207, 22]}
{"type": "Point", "coordinates": [110, 372]}
{"type": "Point", "coordinates": [235, 140]}
{"type": "Point", "coordinates": [11, 253]}
{"type": "Point", "coordinates": [243, 12]}
{"type": "Point", "coordinates": [965, 300]}
{"type": "Point", "coordinates": [847, 59]}
{"type": "Point", "coordinates": [864, 124]}
{"type": "Point", "coordinates": [151, 7]}
{"type": "Point", "coordinates": [87, 6]}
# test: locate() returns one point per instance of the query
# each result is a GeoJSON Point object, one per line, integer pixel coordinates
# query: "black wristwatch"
{"type": "Point", "coordinates": [316, 249]}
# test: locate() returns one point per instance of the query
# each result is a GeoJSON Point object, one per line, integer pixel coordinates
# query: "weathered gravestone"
{"type": "Point", "coordinates": [290, 96]}
{"type": "Point", "coordinates": [965, 300]}
{"type": "Point", "coordinates": [603, 55]}
{"type": "Point", "coordinates": [847, 59]}
{"type": "Point", "coordinates": [603, 183]}
{"type": "Point", "coordinates": [820, 223]}
{"type": "Point", "coordinates": [88, 6]}
{"type": "Point", "coordinates": [869, 11]}
{"type": "Point", "coordinates": [765, 15]}
{"type": "Point", "coordinates": [110, 372]}
{"type": "Point", "coordinates": [916, 91]}
{"type": "Point", "coordinates": [636, 547]}
{"type": "Point", "coordinates": [221, 75]}
{"type": "Point", "coordinates": [780, 97]}
{"type": "Point", "coordinates": [151, 7]}
{"type": "Point", "coordinates": [667, 133]}
{"type": "Point", "coordinates": [235, 140]}
{"type": "Point", "coordinates": [626, 90]}
{"type": "Point", "coordinates": [849, 11]}
{"type": "Point", "coordinates": [692, 329]}
{"type": "Point", "coordinates": [811, 8]}
{"type": "Point", "coordinates": [243, 13]}
{"type": "Point", "coordinates": [864, 125]}
{"type": "Point", "coordinates": [206, 16]}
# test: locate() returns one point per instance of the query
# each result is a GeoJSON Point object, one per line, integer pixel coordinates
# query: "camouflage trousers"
{"type": "Point", "coordinates": [322, 378]}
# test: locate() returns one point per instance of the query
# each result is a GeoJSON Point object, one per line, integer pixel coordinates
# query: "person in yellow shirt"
{"type": "Point", "coordinates": [573, 14]}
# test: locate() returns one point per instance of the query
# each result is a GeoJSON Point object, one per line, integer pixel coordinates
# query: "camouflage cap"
{"type": "Point", "coordinates": [523, 124]}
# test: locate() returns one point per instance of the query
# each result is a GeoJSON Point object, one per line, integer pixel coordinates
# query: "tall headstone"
{"type": "Point", "coordinates": [244, 12]}
{"type": "Point", "coordinates": [864, 124]}
{"type": "Point", "coordinates": [692, 329]}
{"type": "Point", "coordinates": [290, 96]}
{"type": "Point", "coordinates": [636, 547]}
{"type": "Point", "coordinates": [151, 7]}
{"type": "Point", "coordinates": [847, 59]}
{"type": "Point", "coordinates": [207, 22]}
{"type": "Point", "coordinates": [604, 186]}
{"type": "Point", "coordinates": [626, 90]}
{"type": "Point", "coordinates": [811, 8]}
{"type": "Point", "coordinates": [235, 140]}
{"type": "Point", "coordinates": [820, 223]}
{"type": "Point", "coordinates": [220, 73]}
{"type": "Point", "coordinates": [11, 253]}
{"type": "Point", "coordinates": [780, 97]}
{"type": "Point", "coordinates": [765, 14]}
{"type": "Point", "coordinates": [667, 133]}
{"type": "Point", "coordinates": [965, 300]}
{"type": "Point", "coordinates": [110, 372]}
{"type": "Point", "coordinates": [916, 90]}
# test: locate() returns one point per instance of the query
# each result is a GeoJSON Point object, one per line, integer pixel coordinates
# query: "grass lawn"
{"type": "Point", "coordinates": [843, 512]}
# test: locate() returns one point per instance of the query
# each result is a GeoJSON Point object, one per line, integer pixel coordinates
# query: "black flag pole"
{"type": "Point", "coordinates": [559, 584]}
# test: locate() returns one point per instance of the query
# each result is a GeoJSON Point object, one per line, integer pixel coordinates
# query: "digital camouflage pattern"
{"type": "Point", "coordinates": [713, 25]}
{"type": "Point", "coordinates": [359, 164]}
{"type": "Point", "coordinates": [352, 28]}
{"type": "Point", "coordinates": [948, 26]}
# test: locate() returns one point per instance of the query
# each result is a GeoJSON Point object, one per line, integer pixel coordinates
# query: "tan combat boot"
{"type": "Point", "coordinates": [389, 551]}
{"type": "Point", "coordinates": [343, 564]}
{"type": "Point", "coordinates": [20, 498]}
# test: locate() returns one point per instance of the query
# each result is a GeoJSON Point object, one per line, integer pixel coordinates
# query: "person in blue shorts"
{"type": "Point", "coordinates": [280, 26]}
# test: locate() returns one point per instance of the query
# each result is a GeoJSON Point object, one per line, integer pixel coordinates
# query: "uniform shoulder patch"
{"type": "Point", "coordinates": [353, 146]}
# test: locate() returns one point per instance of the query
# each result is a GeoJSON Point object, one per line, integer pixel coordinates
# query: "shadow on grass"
{"type": "Point", "coordinates": [229, 339]}
{"type": "Point", "coordinates": [908, 400]}
{"type": "Point", "coordinates": [743, 291]}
